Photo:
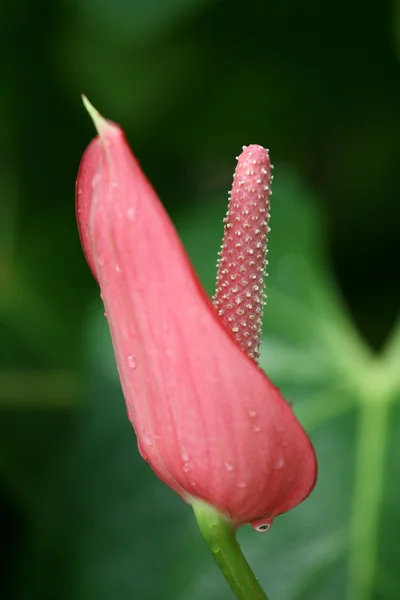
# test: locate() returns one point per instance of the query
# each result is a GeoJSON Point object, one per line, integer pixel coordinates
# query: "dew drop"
{"type": "Point", "coordinates": [228, 466]}
{"type": "Point", "coordinates": [262, 525]}
{"type": "Point", "coordinates": [242, 484]}
{"type": "Point", "coordinates": [130, 214]}
{"type": "Point", "coordinates": [186, 467]}
{"type": "Point", "coordinates": [252, 414]}
{"type": "Point", "coordinates": [147, 439]}
{"type": "Point", "coordinates": [131, 361]}
{"type": "Point", "coordinates": [96, 180]}
{"type": "Point", "coordinates": [279, 462]}
{"type": "Point", "coordinates": [184, 454]}
{"type": "Point", "coordinates": [118, 268]}
{"type": "Point", "coordinates": [256, 428]}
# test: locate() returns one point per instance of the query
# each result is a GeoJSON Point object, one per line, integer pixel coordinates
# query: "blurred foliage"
{"type": "Point", "coordinates": [191, 81]}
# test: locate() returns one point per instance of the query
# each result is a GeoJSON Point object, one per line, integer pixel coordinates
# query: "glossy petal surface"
{"type": "Point", "coordinates": [208, 421]}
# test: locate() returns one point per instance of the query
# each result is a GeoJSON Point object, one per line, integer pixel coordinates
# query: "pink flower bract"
{"type": "Point", "coordinates": [207, 419]}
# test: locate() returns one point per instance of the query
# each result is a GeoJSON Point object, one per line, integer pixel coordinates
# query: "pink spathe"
{"type": "Point", "coordinates": [207, 419]}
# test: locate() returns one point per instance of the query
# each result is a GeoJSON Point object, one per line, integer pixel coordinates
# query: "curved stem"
{"type": "Point", "coordinates": [219, 533]}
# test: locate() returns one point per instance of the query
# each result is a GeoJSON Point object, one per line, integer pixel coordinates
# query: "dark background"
{"type": "Point", "coordinates": [191, 81]}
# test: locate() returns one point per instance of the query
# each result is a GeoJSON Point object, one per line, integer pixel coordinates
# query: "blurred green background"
{"type": "Point", "coordinates": [191, 81]}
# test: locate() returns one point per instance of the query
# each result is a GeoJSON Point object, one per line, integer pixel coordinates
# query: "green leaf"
{"type": "Point", "coordinates": [391, 357]}
{"type": "Point", "coordinates": [140, 19]}
{"type": "Point", "coordinates": [396, 26]}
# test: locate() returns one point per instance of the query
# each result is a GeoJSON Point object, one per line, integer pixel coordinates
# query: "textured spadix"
{"type": "Point", "coordinates": [239, 296]}
{"type": "Point", "coordinates": [207, 419]}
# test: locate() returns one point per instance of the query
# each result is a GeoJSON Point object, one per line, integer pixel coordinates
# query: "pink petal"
{"type": "Point", "coordinates": [207, 419]}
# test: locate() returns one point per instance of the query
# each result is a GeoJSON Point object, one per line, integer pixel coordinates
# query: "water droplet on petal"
{"type": "Point", "coordinates": [252, 414]}
{"type": "Point", "coordinates": [279, 462]}
{"type": "Point", "coordinates": [186, 467]}
{"type": "Point", "coordinates": [147, 439]}
{"type": "Point", "coordinates": [96, 179]}
{"type": "Point", "coordinates": [228, 466]}
{"type": "Point", "coordinates": [256, 428]}
{"type": "Point", "coordinates": [118, 268]}
{"type": "Point", "coordinates": [184, 454]}
{"type": "Point", "coordinates": [130, 214]}
{"type": "Point", "coordinates": [131, 361]}
{"type": "Point", "coordinates": [242, 484]}
{"type": "Point", "coordinates": [262, 525]}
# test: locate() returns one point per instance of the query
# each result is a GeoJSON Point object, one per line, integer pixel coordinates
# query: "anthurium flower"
{"type": "Point", "coordinates": [208, 421]}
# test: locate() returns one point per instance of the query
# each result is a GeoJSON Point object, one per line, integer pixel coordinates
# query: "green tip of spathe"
{"type": "Point", "coordinates": [99, 122]}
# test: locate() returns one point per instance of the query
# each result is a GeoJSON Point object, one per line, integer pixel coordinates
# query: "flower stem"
{"type": "Point", "coordinates": [219, 533]}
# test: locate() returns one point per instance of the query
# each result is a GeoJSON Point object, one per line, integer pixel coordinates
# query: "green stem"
{"type": "Point", "coordinates": [219, 533]}
{"type": "Point", "coordinates": [370, 469]}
